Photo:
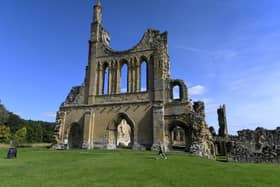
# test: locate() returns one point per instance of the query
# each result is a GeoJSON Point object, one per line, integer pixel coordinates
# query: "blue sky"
{"type": "Point", "coordinates": [227, 52]}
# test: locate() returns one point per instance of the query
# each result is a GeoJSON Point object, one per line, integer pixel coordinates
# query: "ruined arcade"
{"type": "Point", "coordinates": [99, 114]}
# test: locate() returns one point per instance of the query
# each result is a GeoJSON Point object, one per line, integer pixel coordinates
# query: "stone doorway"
{"type": "Point", "coordinates": [179, 136]}
{"type": "Point", "coordinates": [124, 135]}
{"type": "Point", "coordinates": [121, 132]}
{"type": "Point", "coordinates": [75, 137]}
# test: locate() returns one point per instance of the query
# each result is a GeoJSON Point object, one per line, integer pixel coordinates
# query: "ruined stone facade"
{"type": "Point", "coordinates": [95, 117]}
{"type": "Point", "coordinates": [258, 145]}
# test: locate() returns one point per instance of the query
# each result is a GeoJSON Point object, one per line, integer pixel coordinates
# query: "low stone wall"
{"type": "Point", "coordinates": [260, 145]}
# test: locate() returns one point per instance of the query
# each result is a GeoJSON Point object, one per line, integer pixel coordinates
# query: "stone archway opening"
{"type": "Point", "coordinates": [124, 134]}
{"type": "Point", "coordinates": [121, 132]}
{"type": "Point", "coordinates": [179, 136]}
{"type": "Point", "coordinates": [75, 137]}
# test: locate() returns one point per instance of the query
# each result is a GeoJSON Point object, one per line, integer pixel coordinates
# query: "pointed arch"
{"type": "Point", "coordinates": [121, 131]}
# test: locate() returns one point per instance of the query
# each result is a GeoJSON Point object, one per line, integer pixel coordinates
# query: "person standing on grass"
{"type": "Point", "coordinates": [161, 152]}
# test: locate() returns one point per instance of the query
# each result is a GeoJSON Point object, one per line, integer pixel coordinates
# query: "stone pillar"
{"type": "Point", "coordinates": [113, 78]}
{"type": "Point", "coordinates": [97, 80]}
{"type": "Point", "coordinates": [158, 127]}
{"type": "Point", "coordinates": [64, 129]}
{"type": "Point", "coordinates": [111, 74]}
{"type": "Point", "coordinates": [138, 77]}
{"type": "Point", "coordinates": [129, 89]}
{"type": "Point", "coordinates": [223, 131]}
{"type": "Point", "coordinates": [118, 77]}
{"type": "Point", "coordinates": [88, 130]}
{"type": "Point", "coordinates": [100, 79]}
{"type": "Point", "coordinates": [133, 77]}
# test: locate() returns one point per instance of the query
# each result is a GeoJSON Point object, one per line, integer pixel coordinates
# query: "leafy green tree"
{"type": "Point", "coordinates": [37, 131]}
{"type": "Point", "coordinates": [48, 132]}
{"type": "Point", "coordinates": [34, 132]}
{"type": "Point", "coordinates": [20, 136]}
{"type": "Point", "coordinates": [14, 122]}
{"type": "Point", "coordinates": [5, 134]}
{"type": "Point", "coordinates": [4, 114]}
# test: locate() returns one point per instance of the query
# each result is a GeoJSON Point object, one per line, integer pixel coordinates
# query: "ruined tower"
{"type": "Point", "coordinates": [101, 114]}
{"type": "Point", "coordinates": [223, 131]}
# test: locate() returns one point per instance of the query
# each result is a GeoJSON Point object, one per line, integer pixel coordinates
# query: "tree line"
{"type": "Point", "coordinates": [17, 130]}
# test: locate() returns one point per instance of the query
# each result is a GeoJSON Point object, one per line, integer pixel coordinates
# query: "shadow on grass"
{"type": "Point", "coordinates": [221, 159]}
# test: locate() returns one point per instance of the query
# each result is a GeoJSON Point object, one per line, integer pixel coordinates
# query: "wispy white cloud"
{"type": "Point", "coordinates": [18, 113]}
{"type": "Point", "coordinates": [254, 99]}
{"type": "Point", "coordinates": [197, 90]}
{"type": "Point", "coordinates": [210, 105]}
{"type": "Point", "coordinates": [49, 114]}
{"type": "Point", "coordinates": [218, 54]}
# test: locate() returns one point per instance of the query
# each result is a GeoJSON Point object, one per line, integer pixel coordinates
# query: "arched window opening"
{"type": "Point", "coordinates": [176, 92]}
{"type": "Point", "coordinates": [178, 138]}
{"type": "Point", "coordinates": [124, 78]}
{"type": "Point", "coordinates": [106, 80]}
{"type": "Point", "coordinates": [143, 76]}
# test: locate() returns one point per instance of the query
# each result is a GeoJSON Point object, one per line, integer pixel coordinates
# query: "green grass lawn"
{"type": "Point", "coordinates": [42, 167]}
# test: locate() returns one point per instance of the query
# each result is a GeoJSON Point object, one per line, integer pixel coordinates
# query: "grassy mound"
{"type": "Point", "coordinates": [42, 167]}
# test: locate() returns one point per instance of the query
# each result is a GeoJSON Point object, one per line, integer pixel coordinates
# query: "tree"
{"type": "Point", "coordinates": [48, 132]}
{"type": "Point", "coordinates": [37, 131]}
{"type": "Point", "coordinates": [14, 122]}
{"type": "Point", "coordinates": [20, 136]}
{"type": "Point", "coordinates": [34, 132]}
{"type": "Point", "coordinates": [4, 134]}
{"type": "Point", "coordinates": [4, 114]}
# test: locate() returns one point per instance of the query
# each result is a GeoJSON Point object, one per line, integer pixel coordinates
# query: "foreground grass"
{"type": "Point", "coordinates": [41, 167]}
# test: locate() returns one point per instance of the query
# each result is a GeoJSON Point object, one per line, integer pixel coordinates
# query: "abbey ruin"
{"type": "Point", "coordinates": [101, 114]}
{"type": "Point", "coordinates": [98, 114]}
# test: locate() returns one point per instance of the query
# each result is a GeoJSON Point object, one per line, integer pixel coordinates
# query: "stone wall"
{"type": "Point", "coordinates": [260, 145]}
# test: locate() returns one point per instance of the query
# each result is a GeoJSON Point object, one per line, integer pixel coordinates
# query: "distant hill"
{"type": "Point", "coordinates": [4, 113]}
{"type": "Point", "coordinates": [37, 131]}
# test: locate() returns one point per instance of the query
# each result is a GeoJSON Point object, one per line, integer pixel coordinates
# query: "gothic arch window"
{"type": "Point", "coordinates": [124, 77]}
{"type": "Point", "coordinates": [143, 75]}
{"type": "Point", "coordinates": [106, 79]}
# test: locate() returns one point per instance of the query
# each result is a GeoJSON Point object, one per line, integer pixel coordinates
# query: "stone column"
{"type": "Point", "coordinates": [113, 89]}
{"type": "Point", "coordinates": [100, 79]}
{"type": "Point", "coordinates": [138, 76]}
{"type": "Point", "coordinates": [86, 133]}
{"type": "Point", "coordinates": [88, 130]}
{"type": "Point", "coordinates": [133, 77]}
{"type": "Point", "coordinates": [129, 89]}
{"type": "Point", "coordinates": [111, 74]}
{"type": "Point", "coordinates": [63, 133]}
{"type": "Point", "coordinates": [158, 127]}
{"type": "Point", "coordinates": [97, 80]}
{"type": "Point", "coordinates": [118, 77]}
